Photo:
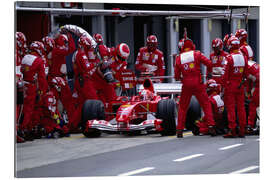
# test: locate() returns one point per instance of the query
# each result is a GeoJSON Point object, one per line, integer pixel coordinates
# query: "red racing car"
{"type": "Point", "coordinates": [146, 112]}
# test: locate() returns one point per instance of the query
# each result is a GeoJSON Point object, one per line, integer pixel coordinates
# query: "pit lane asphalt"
{"type": "Point", "coordinates": [114, 155]}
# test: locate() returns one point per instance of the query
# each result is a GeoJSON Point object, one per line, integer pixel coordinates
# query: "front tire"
{"type": "Point", "coordinates": [92, 109]}
{"type": "Point", "coordinates": [166, 110]}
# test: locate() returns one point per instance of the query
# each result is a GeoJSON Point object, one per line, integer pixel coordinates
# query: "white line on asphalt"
{"type": "Point", "coordinates": [245, 170]}
{"type": "Point", "coordinates": [136, 171]}
{"type": "Point", "coordinates": [257, 139]}
{"type": "Point", "coordinates": [188, 157]}
{"type": "Point", "coordinates": [229, 147]}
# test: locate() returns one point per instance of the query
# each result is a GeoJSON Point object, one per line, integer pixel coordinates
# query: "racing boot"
{"type": "Point", "coordinates": [212, 131]}
{"type": "Point", "coordinates": [179, 133]}
{"type": "Point", "coordinates": [36, 133]}
{"type": "Point", "coordinates": [27, 135]}
{"type": "Point", "coordinates": [231, 134]}
{"type": "Point", "coordinates": [249, 131]}
{"type": "Point", "coordinates": [20, 139]}
{"type": "Point", "coordinates": [196, 129]}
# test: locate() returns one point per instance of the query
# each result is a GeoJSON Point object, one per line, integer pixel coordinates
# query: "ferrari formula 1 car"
{"type": "Point", "coordinates": [146, 112]}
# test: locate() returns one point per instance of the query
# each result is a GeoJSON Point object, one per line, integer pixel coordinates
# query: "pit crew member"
{"type": "Point", "coordinates": [83, 71]}
{"type": "Point", "coordinates": [235, 71]}
{"type": "Point", "coordinates": [150, 59]}
{"type": "Point", "coordinates": [21, 49]}
{"type": "Point", "coordinates": [34, 78]}
{"type": "Point", "coordinates": [253, 81]}
{"type": "Point", "coordinates": [242, 35]}
{"type": "Point", "coordinates": [217, 104]}
{"type": "Point", "coordinates": [64, 45]}
{"type": "Point", "coordinates": [103, 78]}
{"type": "Point", "coordinates": [187, 69]}
{"type": "Point", "coordinates": [98, 38]}
{"type": "Point", "coordinates": [49, 45]}
{"type": "Point", "coordinates": [119, 61]}
{"type": "Point", "coordinates": [218, 58]}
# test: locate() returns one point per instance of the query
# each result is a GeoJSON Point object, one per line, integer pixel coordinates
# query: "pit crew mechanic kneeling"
{"type": "Point", "coordinates": [217, 104]}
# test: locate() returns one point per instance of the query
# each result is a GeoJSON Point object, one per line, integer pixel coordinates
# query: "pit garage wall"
{"type": "Point", "coordinates": [134, 30]}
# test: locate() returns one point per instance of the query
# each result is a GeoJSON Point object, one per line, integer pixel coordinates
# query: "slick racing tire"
{"type": "Point", "coordinates": [92, 109]}
{"type": "Point", "coordinates": [166, 110]}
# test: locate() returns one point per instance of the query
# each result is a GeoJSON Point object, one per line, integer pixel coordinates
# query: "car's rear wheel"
{"type": "Point", "coordinates": [92, 109]}
{"type": "Point", "coordinates": [166, 110]}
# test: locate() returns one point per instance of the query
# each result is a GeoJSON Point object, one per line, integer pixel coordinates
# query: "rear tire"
{"type": "Point", "coordinates": [166, 110]}
{"type": "Point", "coordinates": [92, 109]}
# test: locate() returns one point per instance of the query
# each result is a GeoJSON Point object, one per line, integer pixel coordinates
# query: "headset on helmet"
{"type": "Point", "coordinates": [49, 43]}
{"type": "Point", "coordinates": [152, 42]}
{"type": "Point", "coordinates": [122, 51]}
{"type": "Point", "coordinates": [84, 43]}
{"type": "Point", "coordinates": [233, 43]}
{"type": "Point", "coordinates": [37, 47]}
{"type": "Point", "coordinates": [98, 38]}
{"type": "Point", "coordinates": [241, 34]}
{"type": "Point", "coordinates": [217, 44]}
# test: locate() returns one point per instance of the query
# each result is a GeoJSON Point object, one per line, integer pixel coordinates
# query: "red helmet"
{"type": "Point", "coordinates": [233, 43]}
{"type": "Point", "coordinates": [98, 38]}
{"type": "Point", "coordinates": [20, 39]}
{"type": "Point", "coordinates": [241, 34]}
{"type": "Point", "coordinates": [212, 86]}
{"type": "Point", "coordinates": [37, 47]}
{"type": "Point", "coordinates": [217, 44]}
{"type": "Point", "coordinates": [21, 43]}
{"type": "Point", "coordinates": [103, 51]}
{"type": "Point", "coordinates": [61, 40]}
{"type": "Point", "coordinates": [122, 51]}
{"type": "Point", "coordinates": [151, 42]}
{"type": "Point", "coordinates": [57, 83]}
{"type": "Point", "coordinates": [84, 43]}
{"type": "Point", "coordinates": [146, 95]}
{"type": "Point", "coordinates": [188, 45]}
{"type": "Point", "coordinates": [49, 43]}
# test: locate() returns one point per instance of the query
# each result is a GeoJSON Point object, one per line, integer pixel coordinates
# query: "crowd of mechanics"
{"type": "Point", "coordinates": [42, 82]}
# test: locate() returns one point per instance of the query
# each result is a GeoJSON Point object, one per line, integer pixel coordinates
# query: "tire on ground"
{"type": "Point", "coordinates": [166, 110]}
{"type": "Point", "coordinates": [92, 109]}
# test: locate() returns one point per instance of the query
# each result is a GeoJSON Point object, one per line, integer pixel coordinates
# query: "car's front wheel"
{"type": "Point", "coordinates": [166, 110]}
{"type": "Point", "coordinates": [92, 109]}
